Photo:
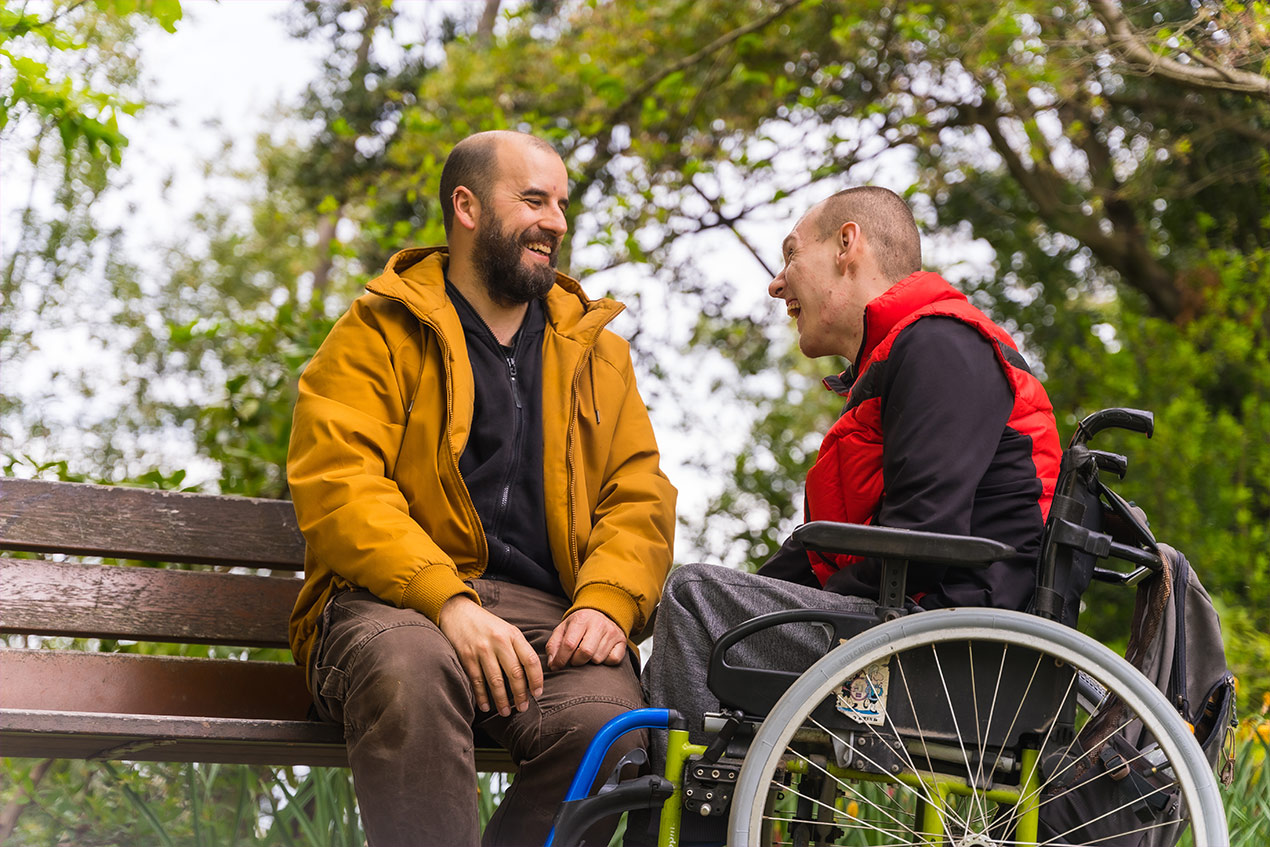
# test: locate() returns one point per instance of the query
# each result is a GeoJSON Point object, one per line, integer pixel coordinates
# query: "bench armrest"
{"type": "Point", "coordinates": [886, 542]}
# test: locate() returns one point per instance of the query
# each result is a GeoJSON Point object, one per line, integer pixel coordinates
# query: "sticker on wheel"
{"type": "Point", "coordinates": [863, 698]}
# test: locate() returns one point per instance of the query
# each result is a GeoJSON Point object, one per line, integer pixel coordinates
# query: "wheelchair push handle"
{"type": "Point", "coordinates": [1134, 420]}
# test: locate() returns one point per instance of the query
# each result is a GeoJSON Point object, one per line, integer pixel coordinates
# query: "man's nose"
{"type": "Point", "coordinates": [555, 222]}
{"type": "Point", "coordinates": [777, 286]}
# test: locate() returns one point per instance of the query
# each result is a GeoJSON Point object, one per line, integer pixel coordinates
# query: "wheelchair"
{"type": "Point", "coordinates": [965, 727]}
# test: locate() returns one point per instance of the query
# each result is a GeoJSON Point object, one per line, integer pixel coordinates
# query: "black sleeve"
{"type": "Point", "coordinates": [791, 564]}
{"type": "Point", "coordinates": [945, 405]}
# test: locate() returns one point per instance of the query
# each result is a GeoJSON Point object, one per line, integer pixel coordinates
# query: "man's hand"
{"type": "Point", "coordinates": [585, 636]}
{"type": "Point", "coordinates": [494, 653]}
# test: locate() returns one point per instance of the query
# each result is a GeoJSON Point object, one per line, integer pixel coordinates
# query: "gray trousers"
{"type": "Point", "coordinates": [699, 603]}
{"type": "Point", "coordinates": [390, 678]}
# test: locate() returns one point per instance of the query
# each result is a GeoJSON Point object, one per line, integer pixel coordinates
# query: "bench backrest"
{"type": "Point", "coordinates": [183, 569]}
{"type": "Point", "coordinates": [246, 553]}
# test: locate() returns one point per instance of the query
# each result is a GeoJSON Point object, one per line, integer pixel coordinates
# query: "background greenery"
{"type": "Point", "coordinates": [1095, 174]}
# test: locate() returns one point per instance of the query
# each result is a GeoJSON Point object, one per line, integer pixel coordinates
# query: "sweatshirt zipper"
{"type": "Point", "coordinates": [518, 426]}
{"type": "Point", "coordinates": [518, 429]}
{"type": "Point", "coordinates": [482, 545]}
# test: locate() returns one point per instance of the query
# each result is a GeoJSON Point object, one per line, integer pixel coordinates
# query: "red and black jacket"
{"type": "Point", "coordinates": [945, 429]}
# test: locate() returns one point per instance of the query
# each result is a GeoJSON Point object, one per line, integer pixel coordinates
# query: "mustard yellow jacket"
{"type": "Point", "coordinates": [383, 414]}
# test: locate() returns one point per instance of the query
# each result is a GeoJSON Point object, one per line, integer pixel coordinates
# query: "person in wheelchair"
{"type": "Point", "coordinates": [945, 429]}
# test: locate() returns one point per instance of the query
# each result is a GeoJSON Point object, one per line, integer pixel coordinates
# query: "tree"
{"type": "Point", "coordinates": [1112, 157]}
{"type": "Point", "coordinates": [1123, 198]}
{"type": "Point", "coordinates": [69, 73]}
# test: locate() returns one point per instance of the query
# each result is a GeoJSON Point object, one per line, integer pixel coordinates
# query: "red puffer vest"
{"type": "Point", "coordinates": [845, 484]}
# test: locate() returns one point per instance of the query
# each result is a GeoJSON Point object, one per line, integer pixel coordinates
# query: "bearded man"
{"type": "Point", "coordinates": [487, 523]}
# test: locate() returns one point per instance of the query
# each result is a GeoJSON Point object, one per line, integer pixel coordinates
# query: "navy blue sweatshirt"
{"type": "Point", "coordinates": [502, 462]}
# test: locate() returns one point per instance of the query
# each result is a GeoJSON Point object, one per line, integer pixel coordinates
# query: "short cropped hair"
{"type": "Point", "coordinates": [887, 222]}
{"type": "Point", "coordinates": [473, 164]}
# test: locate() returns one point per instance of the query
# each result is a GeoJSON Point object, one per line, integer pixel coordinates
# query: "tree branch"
{"type": "Point", "coordinates": [1124, 39]}
{"type": "Point", "coordinates": [10, 814]}
{"type": "Point", "coordinates": [602, 137]}
{"type": "Point", "coordinates": [485, 29]}
{"type": "Point", "coordinates": [719, 43]}
{"type": "Point", "coordinates": [1215, 118]}
{"type": "Point", "coordinates": [730, 223]}
{"type": "Point", "coordinates": [1125, 249]}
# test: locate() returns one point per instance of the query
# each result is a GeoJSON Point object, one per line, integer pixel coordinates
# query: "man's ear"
{"type": "Point", "coordinates": [850, 244]}
{"type": "Point", "coordinates": [467, 209]}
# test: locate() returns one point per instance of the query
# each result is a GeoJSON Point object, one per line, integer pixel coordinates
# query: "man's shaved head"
{"type": "Point", "coordinates": [887, 223]}
{"type": "Point", "coordinates": [473, 163]}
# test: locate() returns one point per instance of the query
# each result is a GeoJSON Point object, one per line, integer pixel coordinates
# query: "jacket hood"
{"type": "Point", "coordinates": [416, 278]}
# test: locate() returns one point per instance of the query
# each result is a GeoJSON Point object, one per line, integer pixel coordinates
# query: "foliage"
{"type": "Point", "coordinates": [84, 111]}
{"type": "Point", "coordinates": [1247, 798]}
{"type": "Point", "coordinates": [184, 804]}
{"type": "Point", "coordinates": [1209, 385]}
{"type": "Point", "coordinates": [1109, 160]}
{"type": "Point", "coordinates": [69, 73]}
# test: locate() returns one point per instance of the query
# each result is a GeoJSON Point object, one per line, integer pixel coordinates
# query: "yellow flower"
{"type": "Point", "coordinates": [853, 809]}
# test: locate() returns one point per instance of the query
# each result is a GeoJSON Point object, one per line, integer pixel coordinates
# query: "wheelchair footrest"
{"type": "Point", "coordinates": [576, 816]}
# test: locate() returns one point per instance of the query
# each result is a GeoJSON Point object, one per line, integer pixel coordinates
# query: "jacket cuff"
{"type": "Point", "coordinates": [431, 588]}
{"type": "Point", "coordinates": [612, 601]}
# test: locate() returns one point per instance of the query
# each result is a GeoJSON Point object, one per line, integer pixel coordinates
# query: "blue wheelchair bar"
{"type": "Point", "coordinates": [579, 811]}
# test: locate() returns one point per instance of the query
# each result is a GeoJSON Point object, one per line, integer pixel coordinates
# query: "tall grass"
{"type": "Point", "coordinates": [203, 805]}
{"type": "Point", "coordinates": [1247, 798]}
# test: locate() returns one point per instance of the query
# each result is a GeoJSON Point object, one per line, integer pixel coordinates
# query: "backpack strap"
{"type": "Point", "coordinates": [1149, 606]}
{"type": "Point", "coordinates": [1177, 693]}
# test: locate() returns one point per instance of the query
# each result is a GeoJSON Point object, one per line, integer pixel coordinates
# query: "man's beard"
{"type": "Point", "coordinates": [497, 257]}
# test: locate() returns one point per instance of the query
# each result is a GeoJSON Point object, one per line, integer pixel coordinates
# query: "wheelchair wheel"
{"type": "Point", "coordinates": [974, 728]}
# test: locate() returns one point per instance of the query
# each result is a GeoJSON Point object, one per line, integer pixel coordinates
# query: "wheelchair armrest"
{"type": "Point", "coordinates": [755, 690]}
{"type": "Point", "coordinates": [886, 542]}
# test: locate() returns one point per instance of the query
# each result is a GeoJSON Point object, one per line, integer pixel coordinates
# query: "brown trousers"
{"type": "Point", "coordinates": [392, 680]}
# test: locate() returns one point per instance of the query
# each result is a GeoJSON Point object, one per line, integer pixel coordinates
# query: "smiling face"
{"type": "Point", "coordinates": [819, 290]}
{"type": "Point", "coordinates": [522, 223]}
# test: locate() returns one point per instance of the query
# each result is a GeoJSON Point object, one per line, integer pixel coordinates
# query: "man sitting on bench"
{"type": "Point", "coordinates": [487, 523]}
{"type": "Point", "coordinates": [944, 430]}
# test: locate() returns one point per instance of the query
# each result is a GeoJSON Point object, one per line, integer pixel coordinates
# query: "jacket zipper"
{"type": "Point", "coordinates": [482, 546]}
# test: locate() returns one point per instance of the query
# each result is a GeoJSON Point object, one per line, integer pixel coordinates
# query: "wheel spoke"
{"type": "Point", "coordinates": [889, 798]}
{"type": "Point", "coordinates": [859, 795]}
{"type": "Point", "coordinates": [816, 801]}
{"type": "Point", "coordinates": [952, 713]}
{"type": "Point", "coordinates": [921, 735]}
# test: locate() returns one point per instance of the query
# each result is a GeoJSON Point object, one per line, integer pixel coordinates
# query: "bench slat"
{"type": "Point", "coordinates": [142, 738]}
{"type": "Point", "coordinates": [145, 524]}
{"type": "Point", "coordinates": [144, 604]}
{"type": "Point", "coordinates": [95, 735]}
{"type": "Point", "coordinates": [71, 681]}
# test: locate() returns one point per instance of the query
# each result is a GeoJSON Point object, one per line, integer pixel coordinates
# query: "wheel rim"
{"type": "Point", "coordinates": [925, 796]}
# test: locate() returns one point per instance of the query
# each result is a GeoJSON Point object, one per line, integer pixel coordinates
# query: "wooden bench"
{"type": "Point", "coordinates": [242, 556]}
